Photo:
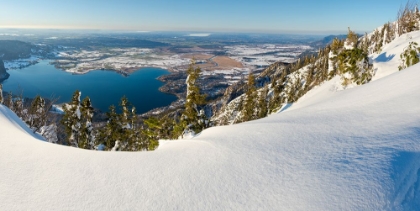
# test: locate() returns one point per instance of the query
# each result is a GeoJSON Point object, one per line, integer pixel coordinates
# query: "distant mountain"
{"type": "Point", "coordinates": [327, 40]}
{"type": "Point", "coordinates": [13, 49]}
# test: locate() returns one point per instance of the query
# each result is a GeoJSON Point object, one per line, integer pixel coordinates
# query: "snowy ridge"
{"type": "Point", "coordinates": [13, 127]}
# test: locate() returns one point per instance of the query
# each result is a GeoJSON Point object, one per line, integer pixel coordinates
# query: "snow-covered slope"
{"type": "Point", "coordinates": [387, 62]}
{"type": "Point", "coordinates": [356, 149]}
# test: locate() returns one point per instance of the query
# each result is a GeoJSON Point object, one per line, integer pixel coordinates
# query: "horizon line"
{"type": "Point", "coordinates": [298, 32]}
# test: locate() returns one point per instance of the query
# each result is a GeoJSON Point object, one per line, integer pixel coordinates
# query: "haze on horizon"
{"type": "Point", "coordinates": [269, 16]}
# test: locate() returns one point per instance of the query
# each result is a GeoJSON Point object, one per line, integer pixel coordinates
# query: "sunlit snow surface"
{"type": "Point", "coordinates": [355, 149]}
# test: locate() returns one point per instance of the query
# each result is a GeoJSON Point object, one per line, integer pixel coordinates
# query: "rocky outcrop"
{"type": "Point", "coordinates": [3, 74]}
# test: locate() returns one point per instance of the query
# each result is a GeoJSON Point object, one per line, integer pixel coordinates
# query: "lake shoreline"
{"type": "Point", "coordinates": [126, 73]}
{"type": "Point", "coordinates": [44, 79]}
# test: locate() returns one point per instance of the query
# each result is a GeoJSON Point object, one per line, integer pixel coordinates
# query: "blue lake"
{"type": "Point", "coordinates": [104, 87]}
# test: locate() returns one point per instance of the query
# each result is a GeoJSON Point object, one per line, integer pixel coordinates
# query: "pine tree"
{"type": "Point", "coordinates": [194, 99]}
{"type": "Point", "coordinates": [354, 66]}
{"type": "Point", "coordinates": [203, 122]}
{"type": "Point", "coordinates": [110, 133]}
{"type": "Point", "coordinates": [262, 103]}
{"type": "Point", "coordinates": [336, 46]}
{"type": "Point", "coordinates": [277, 87]}
{"type": "Point", "coordinates": [352, 38]}
{"type": "Point", "coordinates": [137, 140]}
{"type": "Point", "coordinates": [153, 132]}
{"type": "Point", "coordinates": [18, 106]}
{"type": "Point", "coordinates": [124, 104]}
{"type": "Point", "coordinates": [249, 104]}
{"type": "Point", "coordinates": [410, 56]}
{"type": "Point", "coordinates": [365, 44]}
{"type": "Point", "coordinates": [309, 77]}
{"type": "Point", "coordinates": [9, 101]}
{"type": "Point", "coordinates": [37, 117]}
{"type": "Point", "coordinates": [125, 127]}
{"type": "Point", "coordinates": [72, 119]}
{"type": "Point", "coordinates": [121, 128]}
{"type": "Point", "coordinates": [87, 138]}
{"type": "Point", "coordinates": [133, 117]}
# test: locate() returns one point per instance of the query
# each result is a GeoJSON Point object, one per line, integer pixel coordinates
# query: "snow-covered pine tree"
{"type": "Point", "coordinates": [125, 112]}
{"type": "Point", "coordinates": [133, 117]}
{"type": "Point", "coordinates": [37, 117]}
{"type": "Point", "coordinates": [410, 56]}
{"type": "Point", "coordinates": [87, 138]}
{"type": "Point", "coordinates": [18, 106]}
{"type": "Point", "coordinates": [194, 99]}
{"type": "Point", "coordinates": [9, 101]}
{"type": "Point", "coordinates": [136, 139]}
{"type": "Point", "coordinates": [407, 19]}
{"type": "Point", "coordinates": [50, 133]}
{"type": "Point", "coordinates": [126, 131]}
{"type": "Point", "coordinates": [352, 39]}
{"type": "Point", "coordinates": [353, 64]}
{"type": "Point", "coordinates": [121, 128]}
{"type": "Point", "coordinates": [72, 119]}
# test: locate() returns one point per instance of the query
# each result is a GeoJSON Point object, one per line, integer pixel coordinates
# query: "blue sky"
{"type": "Point", "coordinates": [272, 16]}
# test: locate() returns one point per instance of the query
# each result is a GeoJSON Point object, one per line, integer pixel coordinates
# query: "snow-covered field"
{"type": "Point", "coordinates": [120, 59]}
{"type": "Point", "coordinates": [20, 63]}
{"type": "Point", "coordinates": [264, 55]}
{"type": "Point", "coordinates": [355, 149]}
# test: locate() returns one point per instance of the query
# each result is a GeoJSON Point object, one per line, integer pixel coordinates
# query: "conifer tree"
{"type": "Point", "coordinates": [410, 56]}
{"type": "Point", "coordinates": [194, 99]}
{"type": "Point", "coordinates": [72, 119]}
{"type": "Point", "coordinates": [125, 112]}
{"type": "Point", "coordinates": [309, 77]}
{"type": "Point", "coordinates": [262, 103]}
{"type": "Point", "coordinates": [9, 101]}
{"type": "Point", "coordinates": [250, 95]}
{"type": "Point", "coordinates": [365, 44]}
{"type": "Point", "coordinates": [137, 141]}
{"type": "Point", "coordinates": [153, 132]}
{"type": "Point", "coordinates": [354, 66]}
{"type": "Point", "coordinates": [37, 114]}
{"type": "Point", "coordinates": [352, 38]}
{"type": "Point", "coordinates": [336, 45]}
{"type": "Point", "coordinates": [110, 133]}
{"type": "Point", "coordinates": [121, 128]}
{"type": "Point", "coordinates": [87, 139]}
{"type": "Point", "coordinates": [133, 117]}
{"type": "Point", "coordinates": [124, 120]}
{"type": "Point", "coordinates": [18, 105]}
{"type": "Point", "coordinates": [276, 100]}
